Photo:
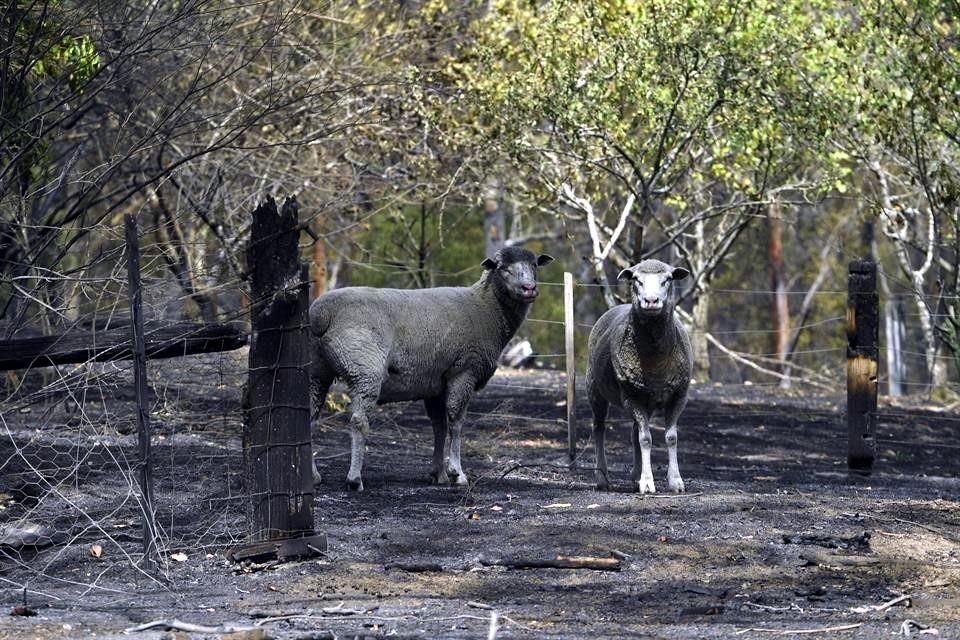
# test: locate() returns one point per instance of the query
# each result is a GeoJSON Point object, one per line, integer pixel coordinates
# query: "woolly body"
{"type": "Point", "coordinates": [640, 358]}
{"type": "Point", "coordinates": [438, 345]}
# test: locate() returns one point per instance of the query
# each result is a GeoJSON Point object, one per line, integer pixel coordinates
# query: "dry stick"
{"type": "Point", "coordinates": [188, 627]}
{"type": "Point", "coordinates": [492, 631]}
{"type": "Point", "coordinates": [884, 606]}
{"type": "Point", "coordinates": [560, 562]}
{"type": "Point", "coordinates": [788, 632]}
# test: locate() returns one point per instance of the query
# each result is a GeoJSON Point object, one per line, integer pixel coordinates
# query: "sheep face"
{"type": "Point", "coordinates": [513, 273]}
{"type": "Point", "coordinates": [650, 284]}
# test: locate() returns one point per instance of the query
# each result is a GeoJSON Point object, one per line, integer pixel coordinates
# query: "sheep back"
{"type": "Point", "coordinates": [417, 339]}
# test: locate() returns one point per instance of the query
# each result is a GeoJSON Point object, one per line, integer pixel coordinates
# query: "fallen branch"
{"type": "Point", "coordinates": [833, 560]}
{"type": "Point", "coordinates": [560, 562]}
{"type": "Point", "coordinates": [413, 567]}
{"type": "Point", "coordinates": [789, 632]}
{"type": "Point", "coordinates": [189, 627]}
{"type": "Point", "coordinates": [883, 607]}
{"type": "Point", "coordinates": [860, 542]}
{"type": "Point", "coordinates": [909, 627]}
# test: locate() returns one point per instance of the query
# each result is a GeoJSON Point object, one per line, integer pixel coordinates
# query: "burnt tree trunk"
{"type": "Point", "coordinates": [863, 346]}
{"type": "Point", "coordinates": [277, 446]}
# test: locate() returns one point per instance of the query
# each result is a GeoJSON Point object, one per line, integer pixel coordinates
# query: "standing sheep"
{"type": "Point", "coordinates": [640, 358]}
{"type": "Point", "coordinates": [438, 345]}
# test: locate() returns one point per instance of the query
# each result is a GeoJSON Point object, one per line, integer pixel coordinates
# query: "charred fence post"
{"type": "Point", "coordinates": [145, 476]}
{"type": "Point", "coordinates": [863, 346]}
{"type": "Point", "coordinates": [276, 438]}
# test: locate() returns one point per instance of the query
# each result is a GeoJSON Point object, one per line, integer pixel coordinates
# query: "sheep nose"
{"type": "Point", "coordinates": [528, 290]}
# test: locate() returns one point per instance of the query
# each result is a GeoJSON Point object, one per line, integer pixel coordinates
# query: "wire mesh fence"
{"type": "Point", "coordinates": [71, 510]}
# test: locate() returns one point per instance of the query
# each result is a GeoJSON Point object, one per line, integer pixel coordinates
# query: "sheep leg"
{"type": "Point", "coordinates": [437, 410]}
{"type": "Point", "coordinates": [459, 393]}
{"type": "Point", "coordinates": [672, 413]}
{"type": "Point", "coordinates": [642, 475]}
{"type": "Point", "coordinates": [363, 394]}
{"type": "Point", "coordinates": [600, 407]}
{"type": "Point", "coordinates": [321, 377]}
{"type": "Point", "coordinates": [359, 428]}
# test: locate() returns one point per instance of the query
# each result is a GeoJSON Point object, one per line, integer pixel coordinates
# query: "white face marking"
{"type": "Point", "coordinates": [651, 290]}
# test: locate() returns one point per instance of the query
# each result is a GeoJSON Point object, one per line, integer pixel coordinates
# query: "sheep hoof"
{"type": "Point", "coordinates": [602, 484]}
{"type": "Point", "coordinates": [439, 477]}
{"type": "Point", "coordinates": [355, 485]}
{"type": "Point", "coordinates": [676, 485]}
{"type": "Point", "coordinates": [645, 485]}
{"type": "Point", "coordinates": [317, 478]}
{"type": "Point", "coordinates": [460, 479]}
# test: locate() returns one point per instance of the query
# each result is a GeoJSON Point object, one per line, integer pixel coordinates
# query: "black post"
{"type": "Point", "coordinates": [140, 383]}
{"type": "Point", "coordinates": [277, 444]}
{"type": "Point", "coordinates": [863, 347]}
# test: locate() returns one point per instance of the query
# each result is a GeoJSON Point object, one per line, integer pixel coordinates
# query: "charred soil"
{"type": "Point", "coordinates": [772, 537]}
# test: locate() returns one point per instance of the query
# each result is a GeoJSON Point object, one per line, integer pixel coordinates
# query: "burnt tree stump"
{"type": "Point", "coordinates": [863, 346]}
{"type": "Point", "coordinates": [276, 438]}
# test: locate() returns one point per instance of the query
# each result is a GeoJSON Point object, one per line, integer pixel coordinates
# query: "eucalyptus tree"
{"type": "Point", "coordinates": [106, 106]}
{"type": "Point", "coordinates": [664, 125]}
{"type": "Point", "coordinates": [904, 133]}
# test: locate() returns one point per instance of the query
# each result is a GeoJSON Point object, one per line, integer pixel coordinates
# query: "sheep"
{"type": "Point", "coordinates": [640, 358]}
{"type": "Point", "coordinates": [439, 345]}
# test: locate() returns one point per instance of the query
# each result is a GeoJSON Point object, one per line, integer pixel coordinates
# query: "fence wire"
{"type": "Point", "coordinates": [70, 507]}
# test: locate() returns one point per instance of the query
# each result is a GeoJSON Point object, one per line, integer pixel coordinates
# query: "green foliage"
{"type": "Point", "coordinates": [75, 57]}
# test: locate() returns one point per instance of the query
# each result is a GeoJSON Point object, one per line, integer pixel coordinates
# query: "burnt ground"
{"type": "Point", "coordinates": [772, 537]}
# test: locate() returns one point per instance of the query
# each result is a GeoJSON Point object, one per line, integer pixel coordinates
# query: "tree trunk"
{"type": "Point", "coordinates": [319, 267]}
{"type": "Point", "coordinates": [494, 217]}
{"type": "Point", "coordinates": [780, 309]}
{"type": "Point", "coordinates": [699, 331]}
{"type": "Point", "coordinates": [276, 437]}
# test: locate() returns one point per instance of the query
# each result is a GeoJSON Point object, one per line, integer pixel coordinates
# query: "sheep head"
{"type": "Point", "coordinates": [513, 273]}
{"type": "Point", "coordinates": [650, 284]}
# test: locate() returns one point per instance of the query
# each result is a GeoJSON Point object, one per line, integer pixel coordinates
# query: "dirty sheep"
{"type": "Point", "coordinates": [640, 358]}
{"type": "Point", "coordinates": [439, 345]}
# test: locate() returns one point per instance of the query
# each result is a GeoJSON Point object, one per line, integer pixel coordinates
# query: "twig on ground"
{"type": "Point", "coordinates": [765, 607]}
{"type": "Point", "coordinates": [814, 557]}
{"type": "Point", "coordinates": [189, 627]}
{"type": "Point", "coordinates": [790, 632]}
{"type": "Point", "coordinates": [414, 567]}
{"type": "Point", "coordinates": [549, 465]}
{"type": "Point", "coordinates": [560, 562]}
{"type": "Point", "coordinates": [909, 627]}
{"type": "Point", "coordinates": [883, 607]}
{"type": "Point", "coordinates": [492, 630]}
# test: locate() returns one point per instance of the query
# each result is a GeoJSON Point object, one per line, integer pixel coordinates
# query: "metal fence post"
{"type": "Point", "coordinates": [145, 477]}
{"type": "Point", "coordinates": [568, 328]}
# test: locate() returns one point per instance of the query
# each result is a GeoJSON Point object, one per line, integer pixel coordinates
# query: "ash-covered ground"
{"type": "Point", "coordinates": [772, 537]}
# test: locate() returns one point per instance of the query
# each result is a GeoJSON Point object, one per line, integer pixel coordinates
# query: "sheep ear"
{"type": "Point", "coordinates": [543, 259]}
{"type": "Point", "coordinates": [626, 274]}
{"type": "Point", "coordinates": [489, 263]}
{"type": "Point", "coordinates": [679, 273]}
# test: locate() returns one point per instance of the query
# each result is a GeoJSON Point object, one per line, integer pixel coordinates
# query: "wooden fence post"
{"type": "Point", "coordinates": [277, 447]}
{"type": "Point", "coordinates": [145, 476]}
{"type": "Point", "coordinates": [568, 328]}
{"type": "Point", "coordinates": [863, 347]}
